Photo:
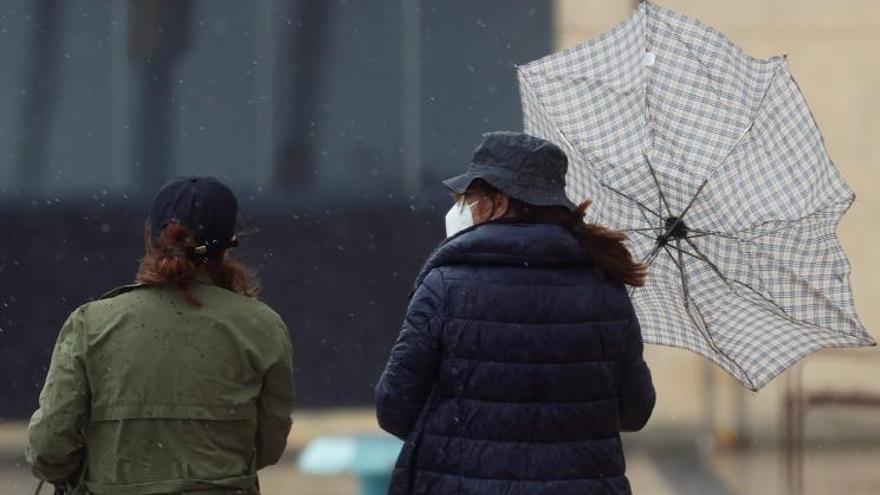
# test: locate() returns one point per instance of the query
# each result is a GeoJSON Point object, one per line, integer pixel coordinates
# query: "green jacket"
{"type": "Point", "coordinates": [153, 394]}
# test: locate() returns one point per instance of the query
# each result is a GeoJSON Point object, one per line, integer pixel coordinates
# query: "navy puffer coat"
{"type": "Point", "coordinates": [517, 368]}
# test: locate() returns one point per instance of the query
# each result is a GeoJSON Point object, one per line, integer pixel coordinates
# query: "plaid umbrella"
{"type": "Point", "coordinates": [713, 164]}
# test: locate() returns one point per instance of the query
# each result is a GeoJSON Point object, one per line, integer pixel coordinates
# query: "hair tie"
{"type": "Point", "coordinates": [175, 251]}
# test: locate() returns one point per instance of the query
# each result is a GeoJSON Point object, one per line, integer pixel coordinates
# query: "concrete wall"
{"type": "Point", "coordinates": [833, 48]}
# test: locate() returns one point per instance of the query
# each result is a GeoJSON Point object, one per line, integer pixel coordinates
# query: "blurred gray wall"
{"type": "Point", "coordinates": [333, 120]}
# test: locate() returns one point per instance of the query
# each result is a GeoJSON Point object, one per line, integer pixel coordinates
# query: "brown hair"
{"type": "Point", "coordinates": [172, 260]}
{"type": "Point", "coordinates": [603, 245]}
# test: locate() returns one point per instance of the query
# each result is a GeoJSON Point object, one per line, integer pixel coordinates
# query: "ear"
{"type": "Point", "coordinates": [500, 206]}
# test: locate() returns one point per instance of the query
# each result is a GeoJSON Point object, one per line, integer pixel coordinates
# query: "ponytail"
{"type": "Point", "coordinates": [172, 260]}
{"type": "Point", "coordinates": [607, 248]}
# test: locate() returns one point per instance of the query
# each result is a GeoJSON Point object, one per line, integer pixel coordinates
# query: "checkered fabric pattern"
{"type": "Point", "coordinates": [713, 164]}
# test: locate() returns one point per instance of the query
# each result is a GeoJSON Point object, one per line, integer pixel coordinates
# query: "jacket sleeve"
{"type": "Point", "coordinates": [275, 405]}
{"type": "Point", "coordinates": [55, 445]}
{"type": "Point", "coordinates": [637, 396]}
{"type": "Point", "coordinates": [412, 367]}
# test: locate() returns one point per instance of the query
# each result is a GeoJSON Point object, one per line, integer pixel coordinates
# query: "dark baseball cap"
{"type": "Point", "coordinates": [520, 165]}
{"type": "Point", "coordinates": [202, 204]}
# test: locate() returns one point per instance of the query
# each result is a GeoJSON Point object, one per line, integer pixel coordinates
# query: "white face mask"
{"type": "Point", "coordinates": [459, 217]}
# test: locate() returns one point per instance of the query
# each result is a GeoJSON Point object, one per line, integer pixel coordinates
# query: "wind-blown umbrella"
{"type": "Point", "coordinates": [713, 164]}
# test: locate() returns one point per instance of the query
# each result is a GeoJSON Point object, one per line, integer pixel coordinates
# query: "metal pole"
{"type": "Point", "coordinates": [793, 431]}
{"type": "Point", "coordinates": [709, 402]}
{"type": "Point", "coordinates": [741, 411]}
{"type": "Point", "coordinates": [785, 443]}
{"type": "Point", "coordinates": [411, 96]}
{"type": "Point", "coordinates": [799, 413]}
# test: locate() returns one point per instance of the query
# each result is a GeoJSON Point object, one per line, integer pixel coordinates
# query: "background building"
{"type": "Point", "coordinates": [334, 121]}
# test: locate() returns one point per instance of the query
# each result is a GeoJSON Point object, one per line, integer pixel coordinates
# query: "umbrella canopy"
{"type": "Point", "coordinates": [713, 164]}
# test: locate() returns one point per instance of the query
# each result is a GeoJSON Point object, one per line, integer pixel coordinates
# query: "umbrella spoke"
{"type": "Point", "coordinates": [684, 251]}
{"type": "Point", "coordinates": [696, 316]}
{"type": "Point", "coordinates": [661, 220]}
{"type": "Point", "coordinates": [642, 207]}
{"type": "Point", "coordinates": [697, 319]}
{"type": "Point", "coordinates": [706, 260]}
{"type": "Point", "coordinates": [706, 180]}
{"type": "Point", "coordinates": [659, 189]}
{"type": "Point", "coordinates": [634, 200]}
{"type": "Point", "coordinates": [650, 257]}
{"type": "Point", "coordinates": [699, 234]}
{"type": "Point", "coordinates": [689, 205]}
{"type": "Point", "coordinates": [781, 311]}
{"type": "Point", "coordinates": [645, 217]}
{"type": "Point", "coordinates": [703, 233]}
{"type": "Point", "coordinates": [755, 230]}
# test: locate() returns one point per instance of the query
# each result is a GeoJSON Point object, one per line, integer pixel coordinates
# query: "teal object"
{"type": "Point", "coordinates": [374, 484]}
{"type": "Point", "coordinates": [369, 458]}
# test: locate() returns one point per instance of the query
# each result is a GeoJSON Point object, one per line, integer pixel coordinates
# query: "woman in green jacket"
{"type": "Point", "coordinates": [180, 383]}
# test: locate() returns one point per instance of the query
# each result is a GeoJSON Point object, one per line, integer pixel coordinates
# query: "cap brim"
{"type": "Point", "coordinates": [539, 197]}
{"type": "Point", "coordinates": [460, 183]}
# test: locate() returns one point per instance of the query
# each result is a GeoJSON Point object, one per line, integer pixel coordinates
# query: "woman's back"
{"type": "Point", "coordinates": [538, 363]}
{"type": "Point", "coordinates": [181, 383]}
{"type": "Point", "coordinates": [176, 391]}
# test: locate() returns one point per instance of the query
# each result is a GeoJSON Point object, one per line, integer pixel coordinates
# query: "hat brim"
{"type": "Point", "coordinates": [531, 195]}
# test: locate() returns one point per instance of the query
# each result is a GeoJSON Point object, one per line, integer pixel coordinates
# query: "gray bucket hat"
{"type": "Point", "coordinates": [522, 166]}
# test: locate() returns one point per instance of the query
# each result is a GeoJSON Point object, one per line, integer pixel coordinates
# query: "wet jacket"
{"type": "Point", "coordinates": [516, 370]}
{"type": "Point", "coordinates": [155, 395]}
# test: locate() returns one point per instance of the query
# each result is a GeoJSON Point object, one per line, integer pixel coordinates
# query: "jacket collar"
{"type": "Point", "coordinates": [509, 243]}
{"type": "Point", "coordinates": [205, 278]}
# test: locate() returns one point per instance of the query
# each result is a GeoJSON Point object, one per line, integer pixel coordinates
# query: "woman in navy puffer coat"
{"type": "Point", "coordinates": [520, 359]}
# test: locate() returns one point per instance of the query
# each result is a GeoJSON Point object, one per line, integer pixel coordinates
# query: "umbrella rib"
{"type": "Point", "coordinates": [755, 230]}
{"type": "Point", "coordinates": [642, 209]}
{"type": "Point", "coordinates": [702, 257]}
{"type": "Point", "coordinates": [598, 175]}
{"type": "Point", "coordinates": [706, 180]}
{"type": "Point", "coordinates": [704, 233]}
{"type": "Point", "coordinates": [657, 183]}
{"type": "Point", "coordinates": [701, 234]}
{"type": "Point", "coordinates": [684, 251]}
{"type": "Point", "coordinates": [702, 326]}
{"type": "Point", "coordinates": [782, 312]}
{"type": "Point", "coordinates": [739, 140]}
{"type": "Point", "coordinates": [730, 282]}
{"type": "Point", "coordinates": [646, 219]}
{"type": "Point", "coordinates": [752, 240]}
{"type": "Point", "coordinates": [693, 200]}
{"type": "Point", "coordinates": [648, 258]}
{"type": "Point", "coordinates": [629, 197]}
